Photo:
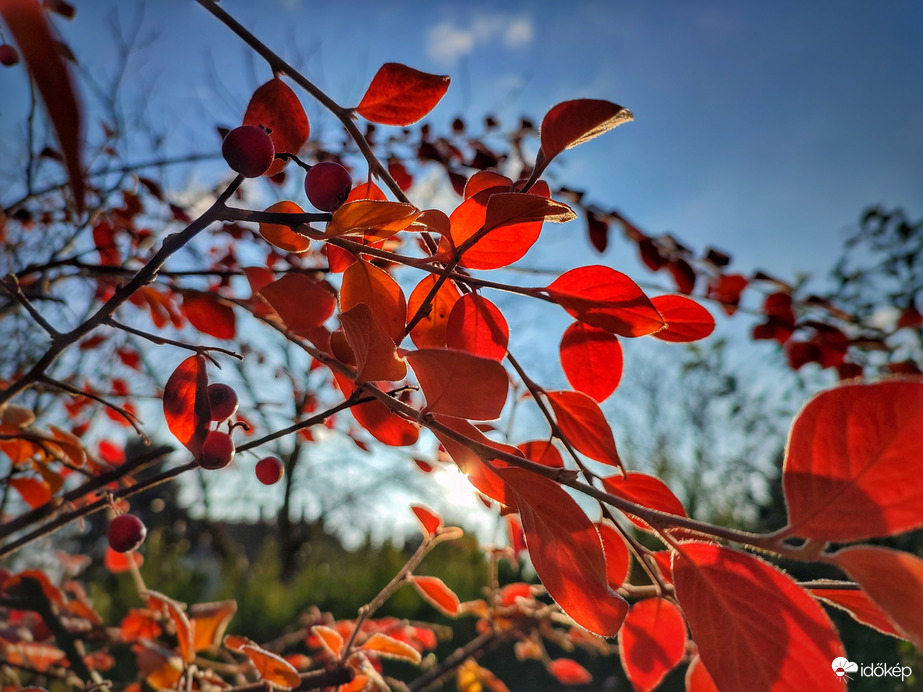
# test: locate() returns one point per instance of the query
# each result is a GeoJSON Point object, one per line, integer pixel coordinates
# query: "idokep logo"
{"type": "Point", "coordinates": [842, 666]}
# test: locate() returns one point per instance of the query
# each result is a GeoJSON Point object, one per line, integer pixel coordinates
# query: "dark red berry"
{"type": "Point", "coordinates": [126, 532]}
{"type": "Point", "coordinates": [217, 451]}
{"type": "Point", "coordinates": [269, 470]}
{"type": "Point", "coordinates": [327, 185]}
{"type": "Point", "coordinates": [222, 400]}
{"type": "Point", "coordinates": [8, 55]}
{"type": "Point", "coordinates": [248, 150]}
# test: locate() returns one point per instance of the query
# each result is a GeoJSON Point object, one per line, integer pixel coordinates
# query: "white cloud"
{"type": "Point", "coordinates": [447, 42]}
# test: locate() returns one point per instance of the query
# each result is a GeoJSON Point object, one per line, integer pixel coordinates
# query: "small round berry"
{"type": "Point", "coordinates": [8, 55]}
{"type": "Point", "coordinates": [327, 185]}
{"type": "Point", "coordinates": [269, 470]}
{"type": "Point", "coordinates": [222, 400]}
{"type": "Point", "coordinates": [126, 532]}
{"type": "Point", "coordinates": [217, 450]}
{"type": "Point", "coordinates": [248, 149]}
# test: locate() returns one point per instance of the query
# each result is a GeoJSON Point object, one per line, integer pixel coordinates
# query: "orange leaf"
{"type": "Point", "coordinates": [542, 452]}
{"type": "Point", "coordinates": [569, 672]}
{"type": "Point", "coordinates": [384, 425]}
{"type": "Point", "coordinates": [373, 219]}
{"type": "Point", "coordinates": [487, 180]}
{"type": "Point", "coordinates": [592, 360]}
{"type": "Point", "coordinates": [29, 26]}
{"type": "Point", "coordinates": [604, 298]}
{"type": "Point", "coordinates": [400, 95]}
{"type": "Point", "coordinates": [374, 351]}
{"type": "Point", "coordinates": [618, 560]}
{"type": "Point", "coordinates": [302, 303]}
{"type": "Point", "coordinates": [184, 633]}
{"type": "Point", "coordinates": [477, 326]}
{"type": "Point", "coordinates": [33, 491]}
{"type": "Point", "coordinates": [140, 623]}
{"type": "Point", "coordinates": [430, 332]}
{"type": "Point", "coordinates": [236, 642]}
{"type": "Point", "coordinates": [185, 403]}
{"type": "Point", "coordinates": [70, 446]}
{"type": "Point", "coordinates": [276, 107]}
{"type": "Point", "coordinates": [430, 521]}
{"type": "Point", "coordinates": [685, 320]}
{"type": "Point", "coordinates": [566, 552]}
{"type": "Point", "coordinates": [283, 236]}
{"type": "Point", "coordinates": [582, 422]}
{"type": "Point", "coordinates": [573, 122]}
{"type": "Point", "coordinates": [330, 638]}
{"type": "Point", "coordinates": [365, 283]}
{"type": "Point", "coordinates": [209, 315]}
{"type": "Point", "coordinates": [894, 580]}
{"type": "Point", "coordinates": [644, 490]}
{"type": "Point", "coordinates": [862, 608]}
{"type": "Point", "coordinates": [119, 562]}
{"type": "Point", "coordinates": [209, 621]}
{"type": "Point", "coordinates": [847, 474]}
{"type": "Point", "coordinates": [698, 678]}
{"type": "Point", "coordinates": [508, 208]}
{"type": "Point", "coordinates": [460, 384]}
{"type": "Point", "coordinates": [272, 668]}
{"type": "Point", "coordinates": [434, 590]}
{"type": "Point", "coordinates": [383, 645]}
{"type": "Point", "coordinates": [652, 642]}
{"type": "Point", "coordinates": [726, 596]}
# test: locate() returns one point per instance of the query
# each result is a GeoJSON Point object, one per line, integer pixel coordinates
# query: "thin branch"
{"type": "Point", "coordinates": [131, 418]}
{"type": "Point", "coordinates": [204, 350]}
{"type": "Point", "coordinates": [11, 285]}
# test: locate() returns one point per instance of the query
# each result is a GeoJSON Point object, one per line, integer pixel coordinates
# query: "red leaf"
{"type": "Point", "coordinates": [698, 678]}
{"type": "Point", "coordinates": [209, 315]}
{"type": "Point", "coordinates": [685, 320]}
{"type": "Point", "coordinates": [372, 219]}
{"type": "Point", "coordinates": [184, 634]}
{"type": "Point", "coordinates": [644, 490]}
{"type": "Point", "coordinates": [33, 491]}
{"type": "Point", "coordinates": [383, 424]}
{"type": "Point", "coordinates": [375, 353]}
{"type": "Point", "coordinates": [434, 590]}
{"type": "Point", "coordinates": [569, 672]}
{"type": "Point", "coordinates": [604, 298]}
{"type": "Point", "coordinates": [727, 289]}
{"type": "Point", "coordinates": [302, 303]}
{"type": "Point", "coordinates": [477, 326]}
{"type": "Point", "coordinates": [120, 562]}
{"type": "Point", "coordinates": [683, 274]}
{"type": "Point", "coordinates": [276, 107]}
{"type": "Point", "coordinates": [859, 606]}
{"type": "Point", "coordinates": [209, 621]}
{"type": "Point", "coordinates": [598, 231]}
{"type": "Point", "coordinates": [847, 474]}
{"type": "Point", "coordinates": [365, 283]}
{"type": "Point", "coordinates": [430, 332]}
{"type": "Point", "coordinates": [566, 552]}
{"type": "Point", "coordinates": [460, 384]}
{"type": "Point", "coordinates": [29, 27]}
{"type": "Point", "coordinates": [272, 668]}
{"type": "Point", "coordinates": [573, 122]}
{"type": "Point", "coordinates": [185, 403]}
{"type": "Point", "coordinates": [283, 236]}
{"type": "Point", "coordinates": [592, 360]}
{"type": "Point", "coordinates": [652, 642]}
{"type": "Point", "coordinates": [542, 452]}
{"type": "Point", "coordinates": [583, 424]}
{"type": "Point", "coordinates": [618, 560]}
{"type": "Point", "coordinates": [894, 580]}
{"type": "Point", "coordinates": [400, 95]}
{"type": "Point", "coordinates": [430, 521]}
{"type": "Point", "coordinates": [754, 626]}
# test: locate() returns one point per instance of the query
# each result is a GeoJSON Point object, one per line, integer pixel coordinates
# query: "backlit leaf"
{"type": "Point", "coordinates": [566, 552]}
{"type": "Point", "coordinates": [618, 559]}
{"type": "Point", "coordinates": [573, 122]}
{"type": "Point", "coordinates": [400, 95]}
{"type": "Point", "coordinates": [209, 621]}
{"type": "Point", "coordinates": [542, 452]}
{"type": "Point", "coordinates": [302, 303]}
{"type": "Point", "coordinates": [184, 633]}
{"type": "Point", "coordinates": [276, 107]}
{"type": "Point", "coordinates": [185, 403]}
{"type": "Point", "coordinates": [283, 236]}
{"type": "Point", "coordinates": [698, 678]}
{"type": "Point", "coordinates": [582, 422]}
{"type": "Point", "coordinates": [894, 580]}
{"type": "Point", "coordinates": [375, 353]}
{"type": "Point", "coordinates": [460, 384]}
{"type": "Point", "coordinates": [847, 473]}
{"type": "Point", "coordinates": [728, 597]}
{"type": "Point", "coordinates": [858, 604]}
{"type": "Point", "coordinates": [33, 491]}
{"type": "Point", "coordinates": [652, 642]}
{"type": "Point", "coordinates": [29, 26]}
{"type": "Point", "coordinates": [365, 283]}
{"type": "Point", "coordinates": [209, 315]}
{"type": "Point", "coordinates": [592, 360]}
{"type": "Point", "coordinates": [272, 668]}
{"type": "Point", "coordinates": [374, 219]}
{"type": "Point", "coordinates": [430, 521]}
{"type": "Point", "coordinates": [330, 638]}
{"type": "Point", "coordinates": [430, 332]}
{"type": "Point", "coordinates": [569, 672]}
{"type": "Point", "coordinates": [506, 208]}
{"type": "Point", "coordinates": [685, 319]}
{"type": "Point", "coordinates": [604, 298]}
{"type": "Point", "coordinates": [434, 590]}
{"type": "Point", "coordinates": [381, 422]}
{"type": "Point", "coordinates": [477, 326]}
{"type": "Point", "coordinates": [383, 645]}
{"type": "Point", "coordinates": [117, 562]}
{"type": "Point", "coordinates": [645, 490]}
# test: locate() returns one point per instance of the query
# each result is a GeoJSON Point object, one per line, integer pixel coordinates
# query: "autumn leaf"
{"type": "Point", "coordinates": [429, 521]}
{"type": "Point", "coordinates": [574, 122]}
{"type": "Point", "coordinates": [460, 384]}
{"type": "Point", "coordinates": [434, 590]}
{"type": "Point", "coordinates": [276, 107]}
{"type": "Point", "coordinates": [185, 634]}
{"type": "Point", "coordinates": [185, 403]}
{"type": "Point", "coordinates": [302, 303]}
{"type": "Point", "coordinates": [383, 645]}
{"type": "Point", "coordinates": [569, 672]}
{"type": "Point", "coordinates": [477, 326]}
{"type": "Point", "coordinates": [583, 425]}
{"type": "Point", "coordinates": [374, 351]}
{"type": "Point", "coordinates": [592, 360]}
{"type": "Point", "coordinates": [283, 236]}
{"type": "Point", "coordinates": [652, 642]}
{"type": "Point", "coordinates": [685, 320]}
{"type": "Point", "coordinates": [859, 606]}
{"type": "Point", "coordinates": [618, 560]}
{"type": "Point", "coordinates": [373, 219]}
{"type": "Point", "coordinates": [207, 313]}
{"type": "Point", "coordinates": [365, 283]}
{"type": "Point", "coordinates": [645, 490]}
{"type": "Point", "coordinates": [430, 331]}
{"type": "Point", "coordinates": [400, 95]}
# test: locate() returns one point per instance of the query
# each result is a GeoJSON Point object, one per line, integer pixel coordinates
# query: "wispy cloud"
{"type": "Point", "coordinates": [448, 41]}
